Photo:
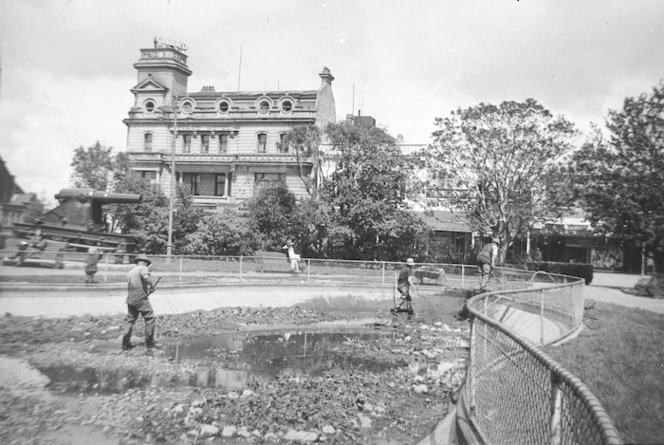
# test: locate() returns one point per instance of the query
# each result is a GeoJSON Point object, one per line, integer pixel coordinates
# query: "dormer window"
{"type": "Point", "coordinates": [187, 107]}
{"type": "Point", "coordinates": [286, 106]}
{"type": "Point", "coordinates": [223, 107]}
{"type": "Point", "coordinates": [264, 106]}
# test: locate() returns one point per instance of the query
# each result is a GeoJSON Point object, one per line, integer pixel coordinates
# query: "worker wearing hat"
{"type": "Point", "coordinates": [486, 261]}
{"type": "Point", "coordinates": [404, 284]}
{"type": "Point", "coordinates": [139, 287]}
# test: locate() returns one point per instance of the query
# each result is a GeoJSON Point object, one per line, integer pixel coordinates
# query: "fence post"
{"type": "Point", "coordinates": [383, 272]}
{"type": "Point", "coordinates": [308, 269]}
{"type": "Point", "coordinates": [556, 410]}
{"type": "Point", "coordinates": [180, 274]}
{"type": "Point", "coordinates": [541, 316]}
{"type": "Point", "coordinates": [241, 268]}
{"type": "Point", "coordinates": [106, 256]}
{"type": "Point", "coordinates": [486, 325]}
{"type": "Point", "coordinates": [463, 270]}
{"type": "Point", "coordinates": [471, 368]}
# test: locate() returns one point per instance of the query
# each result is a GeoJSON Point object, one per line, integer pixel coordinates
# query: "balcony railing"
{"type": "Point", "coordinates": [216, 158]}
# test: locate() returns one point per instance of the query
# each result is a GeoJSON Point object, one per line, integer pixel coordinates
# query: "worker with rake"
{"type": "Point", "coordinates": [406, 287]}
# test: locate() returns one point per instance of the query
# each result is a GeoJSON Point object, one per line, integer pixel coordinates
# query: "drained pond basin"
{"type": "Point", "coordinates": [237, 375]}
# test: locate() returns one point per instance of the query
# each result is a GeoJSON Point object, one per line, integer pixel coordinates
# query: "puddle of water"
{"type": "Point", "coordinates": [70, 378]}
{"type": "Point", "coordinates": [231, 361]}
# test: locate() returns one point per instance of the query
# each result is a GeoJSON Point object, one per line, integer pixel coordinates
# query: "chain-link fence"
{"type": "Point", "coordinates": [110, 268]}
{"type": "Point", "coordinates": [516, 394]}
{"type": "Point", "coordinates": [513, 394]}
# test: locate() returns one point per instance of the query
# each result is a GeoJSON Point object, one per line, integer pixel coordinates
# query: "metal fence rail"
{"type": "Point", "coordinates": [513, 393]}
{"type": "Point", "coordinates": [516, 394]}
{"type": "Point", "coordinates": [68, 268]}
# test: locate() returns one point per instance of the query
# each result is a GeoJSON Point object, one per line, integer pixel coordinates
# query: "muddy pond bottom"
{"type": "Point", "coordinates": [233, 360]}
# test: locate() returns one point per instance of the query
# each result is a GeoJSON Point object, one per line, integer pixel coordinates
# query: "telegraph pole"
{"type": "Point", "coordinates": [171, 200]}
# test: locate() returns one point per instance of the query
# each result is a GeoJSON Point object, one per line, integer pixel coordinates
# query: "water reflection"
{"type": "Point", "coordinates": [230, 361]}
{"type": "Point", "coordinates": [233, 360]}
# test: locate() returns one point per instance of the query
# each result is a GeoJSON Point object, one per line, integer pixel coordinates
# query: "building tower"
{"type": "Point", "coordinates": [227, 143]}
{"type": "Point", "coordinates": [162, 75]}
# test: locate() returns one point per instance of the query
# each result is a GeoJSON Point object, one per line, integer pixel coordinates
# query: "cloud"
{"type": "Point", "coordinates": [46, 117]}
{"type": "Point", "coordinates": [67, 64]}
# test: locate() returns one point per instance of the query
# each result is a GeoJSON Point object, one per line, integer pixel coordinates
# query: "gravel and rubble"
{"type": "Point", "coordinates": [127, 401]}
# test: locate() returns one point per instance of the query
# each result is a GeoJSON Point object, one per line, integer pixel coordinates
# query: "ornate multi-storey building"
{"type": "Point", "coordinates": [224, 144]}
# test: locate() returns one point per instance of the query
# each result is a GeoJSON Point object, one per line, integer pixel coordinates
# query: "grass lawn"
{"type": "Point", "coordinates": [620, 357]}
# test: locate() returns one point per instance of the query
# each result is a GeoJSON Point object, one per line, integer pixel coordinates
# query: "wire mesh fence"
{"type": "Point", "coordinates": [514, 392]}
{"type": "Point", "coordinates": [110, 268]}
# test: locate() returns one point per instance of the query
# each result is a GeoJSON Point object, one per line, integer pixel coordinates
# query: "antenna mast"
{"type": "Point", "coordinates": [239, 70]}
{"type": "Point", "coordinates": [352, 109]}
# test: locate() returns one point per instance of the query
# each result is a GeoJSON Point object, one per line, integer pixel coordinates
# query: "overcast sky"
{"type": "Point", "coordinates": [67, 65]}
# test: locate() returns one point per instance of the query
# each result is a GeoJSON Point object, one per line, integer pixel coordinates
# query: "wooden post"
{"type": "Point", "coordinates": [471, 367]}
{"type": "Point", "coordinates": [541, 316]}
{"type": "Point", "coordinates": [241, 268]}
{"type": "Point", "coordinates": [556, 400]}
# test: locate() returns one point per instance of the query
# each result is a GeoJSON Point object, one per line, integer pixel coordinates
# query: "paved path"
{"type": "Point", "coordinates": [100, 301]}
{"type": "Point", "coordinates": [608, 288]}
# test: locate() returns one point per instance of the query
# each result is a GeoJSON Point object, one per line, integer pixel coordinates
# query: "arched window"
{"type": "Point", "coordinates": [147, 141]}
{"type": "Point", "coordinates": [223, 143]}
{"type": "Point", "coordinates": [282, 145]}
{"type": "Point", "coordinates": [262, 143]}
{"type": "Point", "coordinates": [186, 146]}
{"type": "Point", "coordinates": [205, 143]}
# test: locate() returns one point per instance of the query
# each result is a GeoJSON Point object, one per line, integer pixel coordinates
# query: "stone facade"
{"type": "Point", "coordinates": [226, 143]}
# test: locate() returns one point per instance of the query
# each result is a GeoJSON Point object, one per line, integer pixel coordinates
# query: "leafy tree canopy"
{"type": "Point", "coordinates": [493, 166]}
{"type": "Point", "coordinates": [222, 234]}
{"type": "Point", "coordinates": [366, 191]}
{"type": "Point", "coordinates": [93, 167]}
{"type": "Point", "coordinates": [273, 213]}
{"type": "Point", "coordinates": [619, 178]}
{"type": "Point", "coordinates": [305, 142]}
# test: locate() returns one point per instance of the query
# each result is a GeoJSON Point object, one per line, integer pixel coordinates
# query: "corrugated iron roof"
{"type": "Point", "coordinates": [445, 221]}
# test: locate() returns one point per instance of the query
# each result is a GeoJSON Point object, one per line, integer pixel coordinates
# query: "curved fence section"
{"type": "Point", "coordinates": [516, 394]}
{"type": "Point", "coordinates": [69, 269]}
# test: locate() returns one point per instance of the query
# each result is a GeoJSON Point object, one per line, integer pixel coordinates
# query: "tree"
{"type": "Point", "coordinates": [305, 142]}
{"type": "Point", "coordinates": [127, 218]}
{"type": "Point", "coordinates": [222, 234]}
{"type": "Point", "coordinates": [495, 166]}
{"type": "Point", "coordinates": [93, 167]}
{"type": "Point", "coordinates": [620, 178]}
{"type": "Point", "coordinates": [186, 219]}
{"type": "Point", "coordinates": [312, 227]}
{"type": "Point", "coordinates": [273, 213]}
{"type": "Point", "coordinates": [366, 191]}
